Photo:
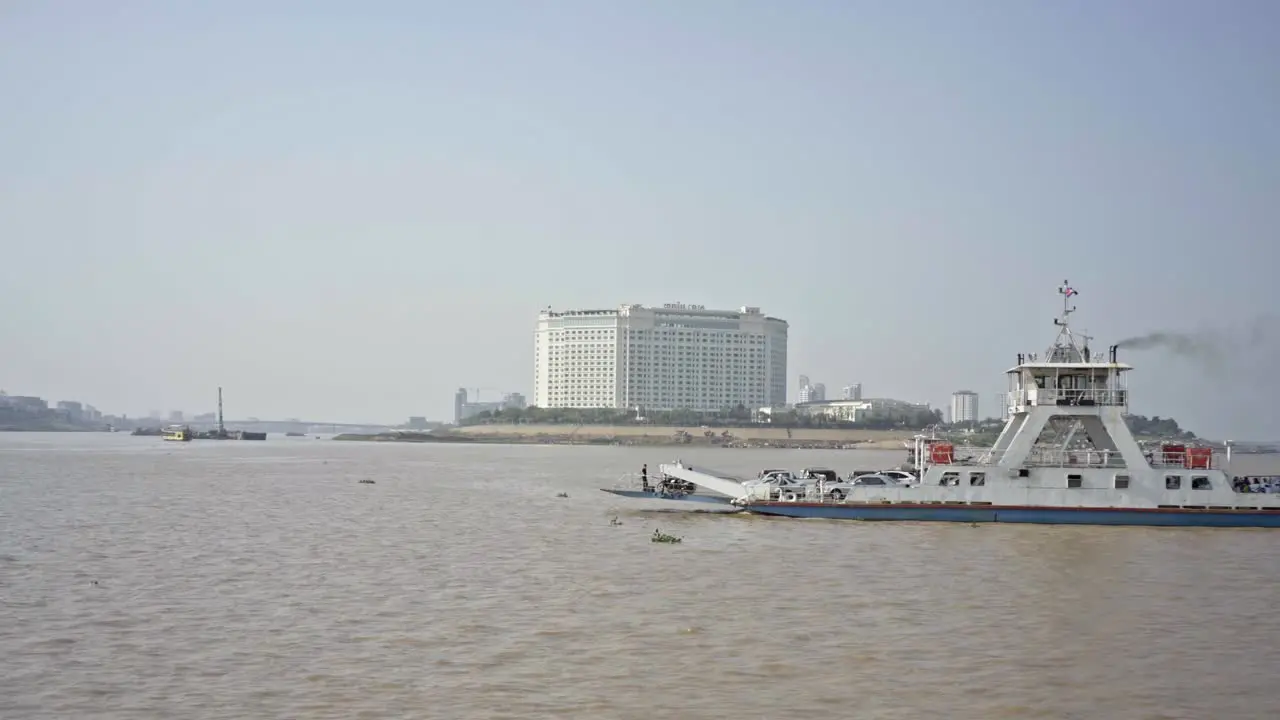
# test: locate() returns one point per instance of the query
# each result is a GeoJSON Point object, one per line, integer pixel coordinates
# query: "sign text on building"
{"type": "Point", "coordinates": [682, 306]}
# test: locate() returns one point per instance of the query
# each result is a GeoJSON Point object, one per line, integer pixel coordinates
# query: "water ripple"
{"type": "Point", "coordinates": [229, 580]}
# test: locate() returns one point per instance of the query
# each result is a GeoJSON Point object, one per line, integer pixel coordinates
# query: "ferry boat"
{"type": "Point", "coordinates": [180, 433]}
{"type": "Point", "coordinates": [1065, 456]}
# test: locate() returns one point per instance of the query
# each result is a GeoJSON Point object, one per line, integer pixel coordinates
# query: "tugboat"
{"type": "Point", "coordinates": [1065, 456]}
{"type": "Point", "coordinates": [179, 433]}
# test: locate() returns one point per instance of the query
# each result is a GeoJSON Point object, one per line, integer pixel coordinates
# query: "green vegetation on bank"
{"type": "Point", "coordinates": [986, 432]}
{"type": "Point", "coordinates": [1156, 426]}
{"type": "Point", "coordinates": [1140, 425]}
{"type": "Point", "coordinates": [729, 418]}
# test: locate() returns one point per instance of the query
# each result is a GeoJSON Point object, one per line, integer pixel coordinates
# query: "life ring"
{"type": "Point", "coordinates": [789, 497]}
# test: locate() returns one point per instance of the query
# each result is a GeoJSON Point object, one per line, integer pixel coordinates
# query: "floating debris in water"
{"type": "Point", "coordinates": [366, 481]}
{"type": "Point", "coordinates": [564, 495]}
{"type": "Point", "coordinates": [661, 537]}
{"type": "Point", "coordinates": [615, 521]}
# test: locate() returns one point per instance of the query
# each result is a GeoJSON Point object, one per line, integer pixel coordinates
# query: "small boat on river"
{"type": "Point", "coordinates": [179, 433]}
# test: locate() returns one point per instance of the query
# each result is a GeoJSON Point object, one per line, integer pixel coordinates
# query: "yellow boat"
{"type": "Point", "coordinates": [181, 433]}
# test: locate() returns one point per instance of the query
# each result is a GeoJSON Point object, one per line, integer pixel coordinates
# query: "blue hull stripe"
{"type": "Point", "coordinates": [1045, 516]}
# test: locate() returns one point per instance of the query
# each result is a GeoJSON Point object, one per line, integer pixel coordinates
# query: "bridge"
{"type": "Point", "coordinates": [307, 427]}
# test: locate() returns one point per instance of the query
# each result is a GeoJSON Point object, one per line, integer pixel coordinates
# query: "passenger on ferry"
{"type": "Point", "coordinates": [1268, 485]}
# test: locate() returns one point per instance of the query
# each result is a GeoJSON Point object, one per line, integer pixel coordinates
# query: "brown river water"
{"type": "Point", "coordinates": [141, 579]}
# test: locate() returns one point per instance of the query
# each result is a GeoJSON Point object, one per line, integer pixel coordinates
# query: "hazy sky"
{"type": "Point", "coordinates": [345, 211]}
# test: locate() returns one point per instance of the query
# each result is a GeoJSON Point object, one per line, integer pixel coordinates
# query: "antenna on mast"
{"type": "Point", "coordinates": [1067, 292]}
{"type": "Point", "coordinates": [1066, 347]}
{"type": "Point", "coordinates": [221, 429]}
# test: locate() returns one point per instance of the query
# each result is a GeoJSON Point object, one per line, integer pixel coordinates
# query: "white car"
{"type": "Point", "coordinates": [840, 490]}
{"type": "Point", "coordinates": [880, 479]}
{"type": "Point", "coordinates": [777, 486]}
{"type": "Point", "coordinates": [902, 476]}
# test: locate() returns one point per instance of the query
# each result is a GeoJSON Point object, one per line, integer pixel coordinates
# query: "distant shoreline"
{"type": "Point", "coordinates": [648, 436]}
{"type": "Point", "coordinates": [50, 429]}
{"type": "Point", "coordinates": [669, 436]}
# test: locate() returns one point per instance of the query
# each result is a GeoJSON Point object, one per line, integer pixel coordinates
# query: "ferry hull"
{"type": "Point", "coordinates": [1160, 517]}
{"type": "Point", "coordinates": [651, 495]}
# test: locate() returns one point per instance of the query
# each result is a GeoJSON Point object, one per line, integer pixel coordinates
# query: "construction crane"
{"type": "Point", "coordinates": [476, 399]}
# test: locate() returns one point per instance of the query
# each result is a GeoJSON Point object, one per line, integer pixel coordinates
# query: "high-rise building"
{"type": "Point", "coordinates": [459, 402]}
{"type": "Point", "coordinates": [811, 392]}
{"type": "Point", "coordinates": [674, 357]}
{"type": "Point", "coordinates": [851, 392]}
{"type": "Point", "coordinates": [815, 392]}
{"type": "Point", "coordinates": [964, 406]}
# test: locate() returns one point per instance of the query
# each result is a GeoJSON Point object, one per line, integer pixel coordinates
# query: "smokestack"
{"type": "Point", "coordinates": [1114, 350]}
{"type": "Point", "coordinates": [1019, 358]}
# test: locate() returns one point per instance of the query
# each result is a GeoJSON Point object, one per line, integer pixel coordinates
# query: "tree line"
{"type": "Point", "coordinates": [729, 417]}
{"type": "Point", "coordinates": [1156, 426]}
{"type": "Point", "coordinates": [740, 416]}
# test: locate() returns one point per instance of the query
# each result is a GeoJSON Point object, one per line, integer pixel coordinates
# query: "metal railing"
{"type": "Point", "coordinates": [1039, 457]}
{"type": "Point", "coordinates": [1179, 461]}
{"type": "Point", "coordinates": [1070, 398]}
{"type": "Point", "coordinates": [1083, 458]}
{"type": "Point", "coordinates": [1075, 458]}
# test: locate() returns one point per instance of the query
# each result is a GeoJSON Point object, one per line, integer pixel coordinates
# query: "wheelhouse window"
{"type": "Point", "coordinates": [978, 478]}
{"type": "Point", "coordinates": [1122, 482]}
{"type": "Point", "coordinates": [1200, 482]}
{"type": "Point", "coordinates": [1172, 482]}
{"type": "Point", "coordinates": [1075, 481]}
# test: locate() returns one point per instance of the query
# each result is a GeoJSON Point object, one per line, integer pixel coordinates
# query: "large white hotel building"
{"type": "Point", "coordinates": [674, 357]}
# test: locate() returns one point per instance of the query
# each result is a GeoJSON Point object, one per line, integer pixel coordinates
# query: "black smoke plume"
{"type": "Point", "coordinates": [1213, 348]}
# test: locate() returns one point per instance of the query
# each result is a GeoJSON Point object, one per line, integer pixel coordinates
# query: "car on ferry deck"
{"type": "Point", "coordinates": [902, 476]}
{"type": "Point", "coordinates": [781, 484]}
{"type": "Point", "coordinates": [819, 474]}
{"type": "Point", "coordinates": [879, 479]}
{"type": "Point", "coordinates": [841, 489]}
